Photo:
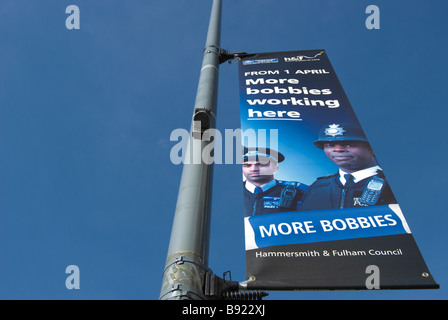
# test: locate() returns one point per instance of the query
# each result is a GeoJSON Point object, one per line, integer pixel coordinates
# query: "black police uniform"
{"type": "Point", "coordinates": [284, 196]}
{"type": "Point", "coordinates": [328, 193]}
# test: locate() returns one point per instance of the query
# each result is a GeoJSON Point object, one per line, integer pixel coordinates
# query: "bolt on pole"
{"type": "Point", "coordinates": [187, 258]}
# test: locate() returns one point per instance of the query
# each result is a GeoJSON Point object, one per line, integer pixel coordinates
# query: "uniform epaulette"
{"type": "Point", "coordinates": [328, 176]}
{"type": "Point", "coordinates": [294, 184]}
{"type": "Point", "coordinates": [287, 183]}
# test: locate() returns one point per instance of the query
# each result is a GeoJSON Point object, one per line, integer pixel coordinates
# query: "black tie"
{"type": "Point", "coordinates": [348, 180]}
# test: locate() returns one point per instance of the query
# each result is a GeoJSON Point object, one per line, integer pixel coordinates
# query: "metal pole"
{"type": "Point", "coordinates": [187, 259]}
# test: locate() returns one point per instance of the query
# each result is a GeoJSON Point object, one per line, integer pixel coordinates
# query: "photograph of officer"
{"type": "Point", "coordinates": [359, 181]}
{"type": "Point", "coordinates": [263, 194]}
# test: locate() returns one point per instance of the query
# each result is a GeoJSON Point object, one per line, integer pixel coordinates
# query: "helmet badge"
{"type": "Point", "coordinates": [334, 130]}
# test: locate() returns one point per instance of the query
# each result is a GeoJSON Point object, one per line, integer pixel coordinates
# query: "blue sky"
{"type": "Point", "coordinates": [86, 117]}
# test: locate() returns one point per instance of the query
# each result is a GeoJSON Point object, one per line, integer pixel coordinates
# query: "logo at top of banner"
{"type": "Point", "coordinates": [303, 58]}
{"type": "Point", "coordinates": [261, 61]}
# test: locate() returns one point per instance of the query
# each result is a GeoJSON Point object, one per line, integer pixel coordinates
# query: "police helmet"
{"type": "Point", "coordinates": [259, 153]}
{"type": "Point", "coordinates": [339, 132]}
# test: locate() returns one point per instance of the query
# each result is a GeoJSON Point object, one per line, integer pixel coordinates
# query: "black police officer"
{"type": "Point", "coordinates": [262, 193]}
{"type": "Point", "coordinates": [359, 182]}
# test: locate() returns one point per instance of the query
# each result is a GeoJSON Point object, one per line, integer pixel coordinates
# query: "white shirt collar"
{"type": "Point", "coordinates": [359, 175]}
{"type": "Point", "coordinates": [251, 187]}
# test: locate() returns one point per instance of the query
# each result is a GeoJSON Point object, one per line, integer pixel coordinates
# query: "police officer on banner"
{"type": "Point", "coordinates": [359, 181]}
{"type": "Point", "coordinates": [262, 193]}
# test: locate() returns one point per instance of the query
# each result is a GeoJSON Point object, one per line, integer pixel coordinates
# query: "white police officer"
{"type": "Point", "coordinates": [359, 181]}
{"type": "Point", "coordinates": [262, 193]}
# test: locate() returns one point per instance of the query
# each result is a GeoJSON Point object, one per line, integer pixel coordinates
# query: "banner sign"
{"type": "Point", "coordinates": [318, 210]}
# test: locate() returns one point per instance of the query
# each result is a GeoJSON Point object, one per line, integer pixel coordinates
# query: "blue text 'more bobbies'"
{"type": "Point", "coordinates": [326, 225]}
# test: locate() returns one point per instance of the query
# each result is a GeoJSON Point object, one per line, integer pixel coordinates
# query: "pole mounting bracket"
{"type": "Point", "coordinates": [225, 55]}
{"type": "Point", "coordinates": [217, 288]}
{"type": "Point", "coordinates": [229, 56]}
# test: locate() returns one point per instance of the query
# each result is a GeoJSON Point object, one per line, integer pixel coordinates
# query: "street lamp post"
{"type": "Point", "coordinates": [186, 268]}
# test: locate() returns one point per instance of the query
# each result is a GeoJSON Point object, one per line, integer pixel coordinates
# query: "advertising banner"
{"type": "Point", "coordinates": [318, 210]}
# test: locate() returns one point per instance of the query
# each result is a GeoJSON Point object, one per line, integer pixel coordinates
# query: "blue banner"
{"type": "Point", "coordinates": [315, 195]}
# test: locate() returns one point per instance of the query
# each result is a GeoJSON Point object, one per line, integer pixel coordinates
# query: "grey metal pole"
{"type": "Point", "coordinates": [187, 259]}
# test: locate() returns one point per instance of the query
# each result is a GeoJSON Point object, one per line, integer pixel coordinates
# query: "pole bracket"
{"type": "Point", "coordinates": [217, 288]}
{"type": "Point", "coordinates": [225, 55]}
{"type": "Point", "coordinates": [229, 56]}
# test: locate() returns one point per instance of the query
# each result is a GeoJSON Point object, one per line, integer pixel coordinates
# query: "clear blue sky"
{"type": "Point", "coordinates": [86, 117]}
